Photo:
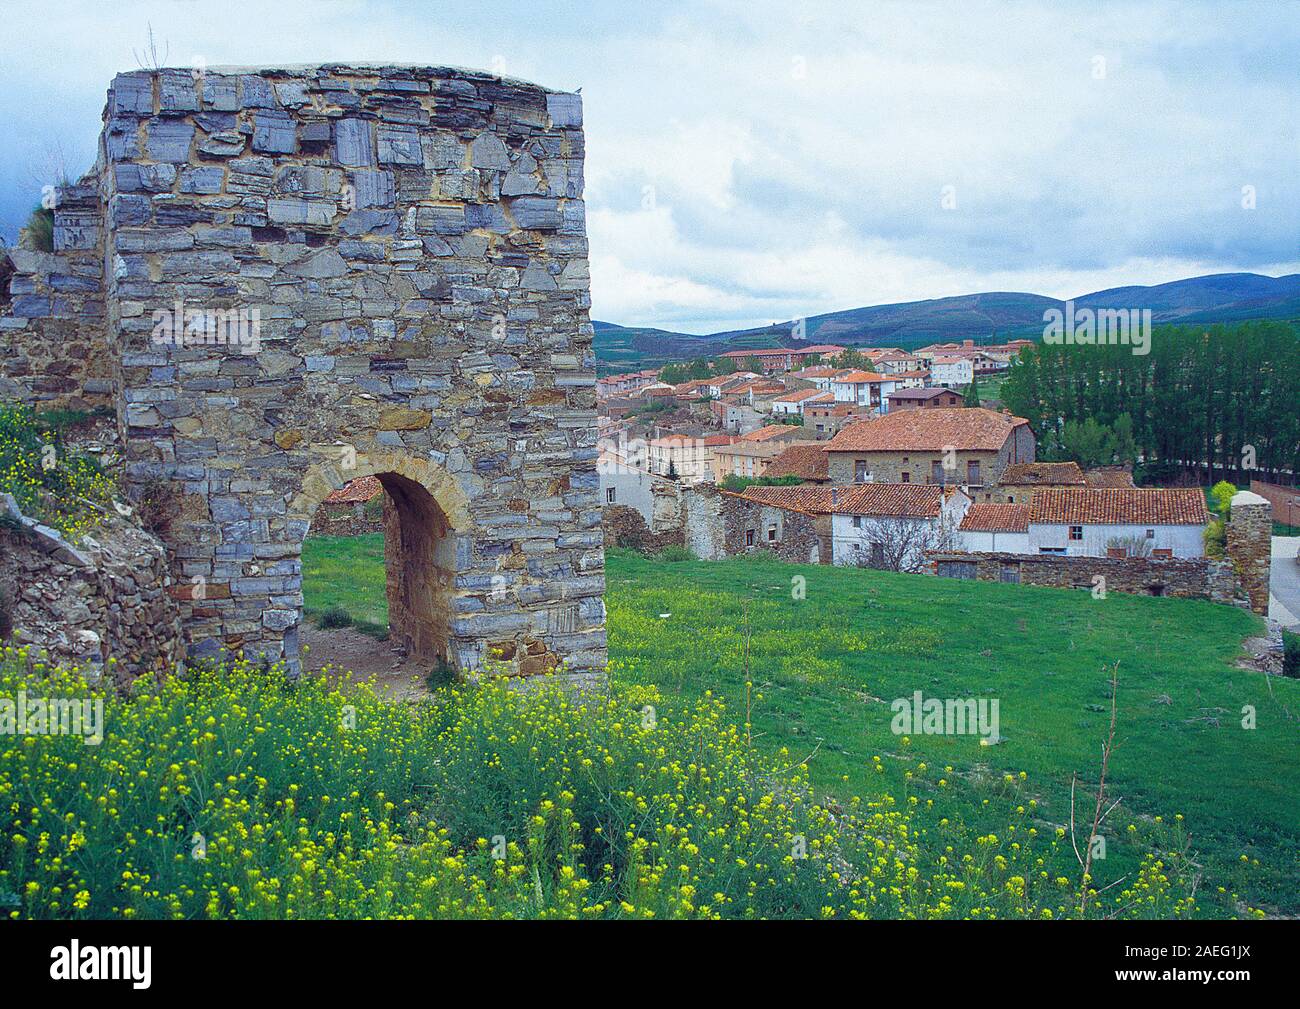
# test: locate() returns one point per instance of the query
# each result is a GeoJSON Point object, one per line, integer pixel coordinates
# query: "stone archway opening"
{"type": "Point", "coordinates": [412, 574]}
{"type": "Point", "coordinates": [419, 568]}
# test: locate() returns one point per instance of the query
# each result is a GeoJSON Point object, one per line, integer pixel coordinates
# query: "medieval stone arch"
{"type": "Point", "coordinates": [427, 537]}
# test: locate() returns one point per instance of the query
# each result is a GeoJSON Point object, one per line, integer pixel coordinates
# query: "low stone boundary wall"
{"type": "Point", "coordinates": [1188, 578]}
{"type": "Point", "coordinates": [106, 598]}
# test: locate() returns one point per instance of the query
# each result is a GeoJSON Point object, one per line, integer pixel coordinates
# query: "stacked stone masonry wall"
{"type": "Point", "coordinates": [306, 275]}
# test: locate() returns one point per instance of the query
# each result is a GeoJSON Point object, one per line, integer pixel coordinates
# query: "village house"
{"type": "Point", "coordinates": [745, 458]}
{"type": "Point", "coordinates": [952, 371]}
{"type": "Point", "coordinates": [624, 480]}
{"type": "Point", "coordinates": [863, 388]}
{"type": "Point", "coordinates": [969, 447]}
{"type": "Point", "coordinates": [785, 358]}
{"type": "Point", "coordinates": [734, 417]}
{"type": "Point", "coordinates": [823, 420]}
{"type": "Point", "coordinates": [681, 456]}
{"type": "Point", "coordinates": [893, 525]}
{"type": "Point", "coordinates": [1109, 476]}
{"type": "Point", "coordinates": [1019, 481]}
{"type": "Point", "coordinates": [930, 397]}
{"type": "Point", "coordinates": [754, 392]}
{"type": "Point", "coordinates": [819, 375]}
{"type": "Point", "coordinates": [995, 528]}
{"type": "Point", "coordinates": [775, 432]}
{"type": "Point", "coordinates": [693, 390]}
{"type": "Point", "coordinates": [614, 385]}
{"type": "Point", "coordinates": [1113, 522]}
{"type": "Point", "coordinates": [805, 461]}
{"type": "Point", "coordinates": [894, 362]}
{"type": "Point", "coordinates": [791, 403]}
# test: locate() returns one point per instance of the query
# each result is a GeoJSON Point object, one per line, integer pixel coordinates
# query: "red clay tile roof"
{"type": "Point", "coordinates": [767, 433]}
{"type": "Point", "coordinates": [929, 392]}
{"type": "Point", "coordinates": [996, 518]}
{"type": "Point", "coordinates": [807, 462]}
{"type": "Point", "coordinates": [963, 428]}
{"type": "Point", "coordinates": [1109, 476]}
{"type": "Point", "coordinates": [906, 500]}
{"type": "Point", "coordinates": [1043, 474]}
{"type": "Point", "coordinates": [858, 378]}
{"type": "Point", "coordinates": [797, 395]}
{"type": "Point", "coordinates": [915, 500]}
{"type": "Point", "coordinates": [808, 499]}
{"type": "Point", "coordinates": [1175, 506]}
{"type": "Point", "coordinates": [357, 491]}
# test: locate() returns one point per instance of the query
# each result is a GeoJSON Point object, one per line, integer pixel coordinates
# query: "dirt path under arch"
{"type": "Point", "coordinates": [345, 653]}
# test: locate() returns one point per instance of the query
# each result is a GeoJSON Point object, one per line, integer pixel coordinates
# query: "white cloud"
{"type": "Point", "coordinates": [795, 155]}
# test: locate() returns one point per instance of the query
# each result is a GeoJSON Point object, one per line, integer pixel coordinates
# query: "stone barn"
{"type": "Point", "coordinates": [284, 279]}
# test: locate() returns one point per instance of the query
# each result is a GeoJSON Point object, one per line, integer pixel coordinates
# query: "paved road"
{"type": "Point", "coordinates": [1284, 584]}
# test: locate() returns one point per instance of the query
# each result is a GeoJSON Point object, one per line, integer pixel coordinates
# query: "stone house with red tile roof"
{"type": "Point", "coordinates": [968, 447]}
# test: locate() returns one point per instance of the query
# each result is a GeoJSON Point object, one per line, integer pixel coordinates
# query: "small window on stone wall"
{"type": "Point", "coordinates": [749, 537]}
{"type": "Point", "coordinates": [771, 534]}
{"type": "Point", "coordinates": [610, 494]}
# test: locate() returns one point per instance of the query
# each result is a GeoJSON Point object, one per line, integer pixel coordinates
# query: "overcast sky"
{"type": "Point", "coordinates": [755, 161]}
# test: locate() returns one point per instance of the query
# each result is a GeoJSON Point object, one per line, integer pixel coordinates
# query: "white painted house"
{"type": "Point", "coordinates": [1118, 522]}
{"type": "Point", "coordinates": [792, 403]}
{"type": "Point", "coordinates": [864, 388]}
{"type": "Point", "coordinates": [1091, 522]}
{"type": "Point", "coordinates": [893, 524]}
{"type": "Point", "coordinates": [952, 371]}
{"type": "Point", "coordinates": [995, 528]}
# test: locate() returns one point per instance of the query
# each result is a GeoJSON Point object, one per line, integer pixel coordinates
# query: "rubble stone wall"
{"type": "Point", "coordinates": [103, 605]}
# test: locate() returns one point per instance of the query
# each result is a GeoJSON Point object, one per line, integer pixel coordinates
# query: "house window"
{"type": "Point", "coordinates": [907, 477]}
{"type": "Point", "coordinates": [610, 494]}
{"type": "Point", "coordinates": [1051, 550]}
{"type": "Point", "coordinates": [749, 537]}
{"type": "Point", "coordinates": [857, 521]}
{"type": "Point", "coordinates": [771, 534]}
{"type": "Point", "coordinates": [936, 472]}
{"type": "Point", "coordinates": [860, 471]}
{"type": "Point", "coordinates": [1151, 534]}
{"type": "Point", "coordinates": [973, 472]}
{"type": "Point", "coordinates": [1076, 532]}
{"type": "Point", "coordinates": [877, 554]}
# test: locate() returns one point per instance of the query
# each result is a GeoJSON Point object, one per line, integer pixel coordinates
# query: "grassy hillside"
{"type": "Point", "coordinates": [825, 668]}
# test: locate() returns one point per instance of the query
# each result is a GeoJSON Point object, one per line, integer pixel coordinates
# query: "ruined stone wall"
{"type": "Point", "coordinates": [626, 527]}
{"type": "Point", "coordinates": [1250, 546]}
{"type": "Point", "coordinates": [314, 274]}
{"type": "Point", "coordinates": [103, 605]}
{"type": "Point", "coordinates": [56, 353]}
{"type": "Point", "coordinates": [719, 524]}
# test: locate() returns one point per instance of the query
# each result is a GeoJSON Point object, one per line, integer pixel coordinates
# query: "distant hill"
{"type": "Point", "coordinates": [1221, 297]}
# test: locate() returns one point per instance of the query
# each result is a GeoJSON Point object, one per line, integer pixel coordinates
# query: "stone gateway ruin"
{"type": "Point", "coordinates": [283, 279]}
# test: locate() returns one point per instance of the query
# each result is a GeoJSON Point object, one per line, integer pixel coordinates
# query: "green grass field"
{"type": "Point", "coordinates": [827, 657]}
{"type": "Point", "coordinates": [347, 571]}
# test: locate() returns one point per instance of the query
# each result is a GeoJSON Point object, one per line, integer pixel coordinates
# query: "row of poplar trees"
{"type": "Point", "coordinates": [1204, 404]}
